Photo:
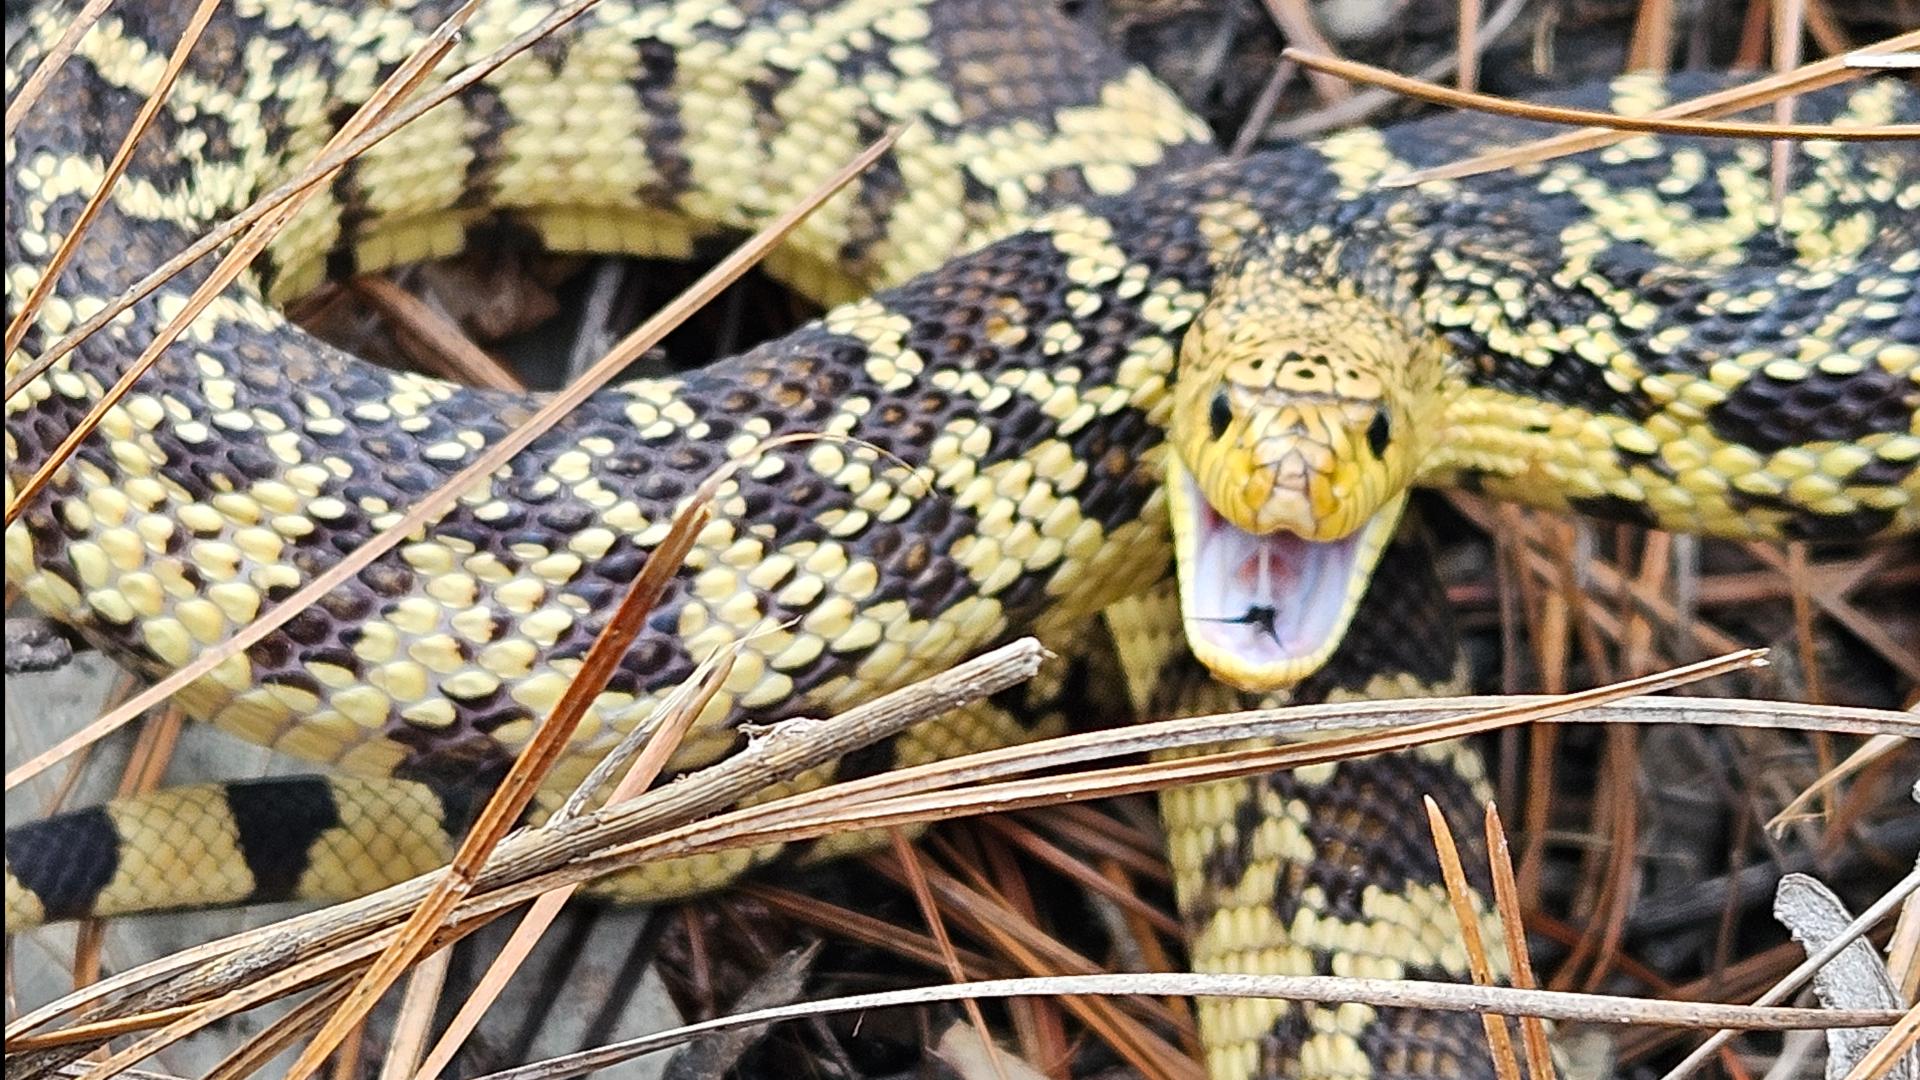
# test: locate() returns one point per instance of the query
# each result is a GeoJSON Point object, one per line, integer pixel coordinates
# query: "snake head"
{"type": "Point", "coordinates": [1301, 414]}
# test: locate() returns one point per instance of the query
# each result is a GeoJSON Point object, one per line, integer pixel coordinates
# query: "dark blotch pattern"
{"type": "Point", "coordinates": [65, 860]}
{"type": "Point", "coordinates": [278, 821]}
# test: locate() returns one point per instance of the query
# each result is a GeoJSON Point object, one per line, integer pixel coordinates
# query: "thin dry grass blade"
{"type": "Point", "coordinates": [1651, 48]}
{"type": "Point", "coordinates": [1621, 765]}
{"type": "Point", "coordinates": [1460, 896]}
{"type": "Point", "coordinates": [1903, 951]}
{"type": "Point", "coordinates": [95, 1031]}
{"type": "Point", "coordinates": [37, 296]}
{"type": "Point", "coordinates": [1327, 989]}
{"type": "Point", "coordinates": [36, 83]}
{"type": "Point", "coordinates": [1044, 851]}
{"type": "Point", "coordinates": [436, 502]}
{"type": "Point", "coordinates": [1033, 950]}
{"type": "Point", "coordinates": [411, 1028]}
{"type": "Point", "coordinates": [1506, 898]}
{"type": "Point", "coordinates": [1268, 100]}
{"type": "Point", "coordinates": [865, 929]}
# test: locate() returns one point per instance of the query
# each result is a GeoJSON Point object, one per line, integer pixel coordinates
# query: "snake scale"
{"type": "Point", "coordinates": [1263, 353]}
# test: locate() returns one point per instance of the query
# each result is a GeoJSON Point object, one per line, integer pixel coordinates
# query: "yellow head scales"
{"type": "Point", "coordinates": [1302, 413]}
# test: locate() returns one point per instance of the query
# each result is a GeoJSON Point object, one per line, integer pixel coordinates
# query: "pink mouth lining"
{"type": "Point", "coordinates": [1266, 600]}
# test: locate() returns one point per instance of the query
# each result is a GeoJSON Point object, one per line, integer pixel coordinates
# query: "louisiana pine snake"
{"type": "Point", "coordinates": [1628, 333]}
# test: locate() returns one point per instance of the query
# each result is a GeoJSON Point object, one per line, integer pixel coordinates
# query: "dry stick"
{"type": "Point", "coordinates": [55, 58]}
{"type": "Point", "coordinates": [1654, 123]}
{"type": "Point", "coordinates": [149, 108]}
{"type": "Point", "coordinates": [667, 734]}
{"type": "Point", "coordinates": [1506, 898]}
{"type": "Point", "coordinates": [1460, 897]}
{"type": "Point", "coordinates": [1326, 989]}
{"type": "Point", "coordinates": [1814, 962]}
{"type": "Point", "coordinates": [255, 241]}
{"type": "Point", "coordinates": [324, 165]}
{"type": "Point", "coordinates": [240, 967]}
{"type": "Point", "coordinates": [441, 498]}
{"type": "Point", "coordinates": [1810, 77]}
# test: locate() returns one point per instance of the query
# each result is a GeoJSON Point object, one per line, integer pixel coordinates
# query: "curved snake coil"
{"type": "Point", "coordinates": [1627, 333]}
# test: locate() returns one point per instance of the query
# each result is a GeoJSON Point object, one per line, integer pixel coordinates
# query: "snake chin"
{"type": "Point", "coordinates": [1265, 611]}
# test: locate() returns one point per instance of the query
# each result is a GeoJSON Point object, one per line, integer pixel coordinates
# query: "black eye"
{"type": "Point", "coordinates": [1378, 433]}
{"type": "Point", "coordinates": [1220, 414]}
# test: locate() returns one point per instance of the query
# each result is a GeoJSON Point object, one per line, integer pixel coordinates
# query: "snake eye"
{"type": "Point", "coordinates": [1378, 433]}
{"type": "Point", "coordinates": [1220, 414]}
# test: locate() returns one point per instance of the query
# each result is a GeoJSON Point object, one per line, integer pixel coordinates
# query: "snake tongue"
{"type": "Point", "coordinates": [1265, 611]}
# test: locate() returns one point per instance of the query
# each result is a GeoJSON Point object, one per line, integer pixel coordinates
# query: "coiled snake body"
{"type": "Point", "coordinates": [1629, 332]}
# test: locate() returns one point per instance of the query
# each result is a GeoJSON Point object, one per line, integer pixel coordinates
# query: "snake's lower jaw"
{"type": "Point", "coordinates": [1263, 612]}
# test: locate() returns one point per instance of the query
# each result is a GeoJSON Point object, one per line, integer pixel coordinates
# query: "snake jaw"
{"type": "Point", "coordinates": [1264, 611]}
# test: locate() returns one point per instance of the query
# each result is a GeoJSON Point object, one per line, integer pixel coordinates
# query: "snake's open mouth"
{"type": "Point", "coordinates": [1265, 611]}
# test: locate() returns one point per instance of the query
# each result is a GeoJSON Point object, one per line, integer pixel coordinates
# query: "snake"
{"type": "Point", "coordinates": [1078, 373]}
